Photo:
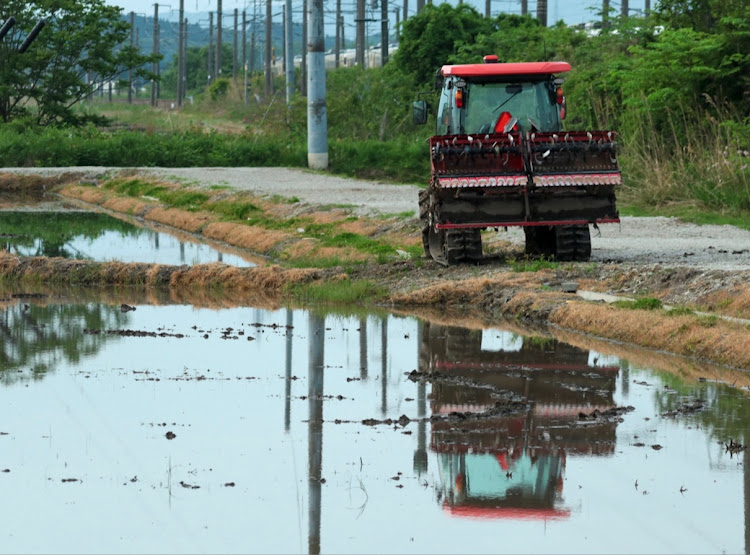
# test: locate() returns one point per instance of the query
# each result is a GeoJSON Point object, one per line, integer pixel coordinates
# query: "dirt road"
{"type": "Point", "coordinates": [664, 241]}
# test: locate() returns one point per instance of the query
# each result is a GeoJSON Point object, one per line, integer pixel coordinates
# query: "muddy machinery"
{"type": "Point", "coordinates": [500, 158]}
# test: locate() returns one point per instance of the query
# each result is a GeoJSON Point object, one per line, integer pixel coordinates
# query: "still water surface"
{"type": "Point", "coordinates": [103, 238]}
{"type": "Point", "coordinates": [270, 452]}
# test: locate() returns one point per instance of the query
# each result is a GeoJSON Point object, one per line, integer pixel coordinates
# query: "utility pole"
{"type": "Point", "coordinates": [406, 10]}
{"type": "Point", "coordinates": [184, 59]}
{"type": "Point", "coordinates": [605, 13]}
{"type": "Point", "coordinates": [337, 50]}
{"type": "Point", "coordinates": [289, 52]}
{"type": "Point", "coordinates": [252, 37]}
{"type": "Point", "coordinates": [360, 56]}
{"type": "Point", "coordinates": [487, 9]}
{"type": "Point", "coordinates": [624, 8]}
{"type": "Point", "coordinates": [303, 87]}
{"type": "Point", "coordinates": [420, 5]}
{"type": "Point", "coordinates": [217, 64]}
{"type": "Point", "coordinates": [397, 12]}
{"type": "Point", "coordinates": [180, 54]}
{"type": "Point", "coordinates": [647, 8]}
{"type": "Point", "coordinates": [317, 117]}
{"type": "Point", "coordinates": [132, 44]}
{"type": "Point", "coordinates": [244, 54]}
{"type": "Point", "coordinates": [541, 12]}
{"type": "Point", "coordinates": [234, 49]}
{"type": "Point", "coordinates": [210, 45]}
{"type": "Point", "coordinates": [268, 76]}
{"type": "Point", "coordinates": [384, 32]}
{"type": "Point", "coordinates": [155, 64]}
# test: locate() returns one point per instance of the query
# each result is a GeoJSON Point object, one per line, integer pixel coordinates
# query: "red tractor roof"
{"type": "Point", "coordinates": [494, 69]}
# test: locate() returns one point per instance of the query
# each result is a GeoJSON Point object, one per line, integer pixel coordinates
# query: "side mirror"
{"type": "Point", "coordinates": [419, 112]}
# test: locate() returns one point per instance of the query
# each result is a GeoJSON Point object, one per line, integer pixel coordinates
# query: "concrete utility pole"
{"type": "Point", "coordinates": [132, 44]}
{"type": "Point", "coordinates": [234, 49]}
{"type": "Point", "coordinates": [524, 7]}
{"type": "Point", "coordinates": [541, 12]}
{"type": "Point", "coordinates": [268, 75]}
{"type": "Point", "coordinates": [406, 10]}
{"type": "Point", "coordinates": [647, 8]}
{"type": "Point", "coordinates": [184, 60]}
{"type": "Point", "coordinates": [397, 12]}
{"type": "Point", "coordinates": [360, 56]}
{"type": "Point", "coordinates": [624, 8]}
{"type": "Point", "coordinates": [303, 85]}
{"type": "Point", "coordinates": [420, 5]}
{"type": "Point", "coordinates": [217, 64]}
{"type": "Point", "coordinates": [155, 65]}
{"type": "Point", "coordinates": [252, 37]}
{"type": "Point", "coordinates": [289, 52]}
{"type": "Point", "coordinates": [338, 34]}
{"type": "Point", "coordinates": [180, 54]}
{"type": "Point", "coordinates": [487, 9]}
{"type": "Point", "coordinates": [605, 13]}
{"type": "Point", "coordinates": [209, 66]}
{"type": "Point", "coordinates": [244, 54]}
{"type": "Point", "coordinates": [384, 32]}
{"type": "Point", "coordinates": [283, 40]}
{"type": "Point", "coordinates": [317, 117]}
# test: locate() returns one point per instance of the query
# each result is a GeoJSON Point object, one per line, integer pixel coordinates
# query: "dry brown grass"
{"type": "Point", "coordinates": [86, 194]}
{"type": "Point", "coordinates": [126, 205]}
{"type": "Point", "coordinates": [255, 238]}
{"type": "Point", "coordinates": [684, 367]}
{"type": "Point", "coordinates": [720, 341]}
{"type": "Point", "coordinates": [732, 302]}
{"type": "Point", "coordinates": [181, 219]}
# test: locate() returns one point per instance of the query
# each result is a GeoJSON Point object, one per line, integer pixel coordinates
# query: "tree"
{"type": "Point", "coordinates": [84, 45]}
{"type": "Point", "coordinates": [428, 39]}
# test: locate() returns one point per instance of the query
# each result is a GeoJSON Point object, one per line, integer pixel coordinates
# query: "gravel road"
{"type": "Point", "coordinates": [635, 240]}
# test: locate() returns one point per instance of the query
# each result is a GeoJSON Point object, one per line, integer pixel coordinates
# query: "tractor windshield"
{"type": "Point", "coordinates": [530, 102]}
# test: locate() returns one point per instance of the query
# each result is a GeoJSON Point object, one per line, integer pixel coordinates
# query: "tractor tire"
{"type": "Point", "coordinates": [424, 220]}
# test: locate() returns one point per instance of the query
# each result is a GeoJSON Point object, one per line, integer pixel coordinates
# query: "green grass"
{"type": "Point", "coordinates": [530, 265]}
{"type": "Point", "coordinates": [680, 311]}
{"type": "Point", "coordinates": [688, 213]}
{"type": "Point", "coordinates": [646, 303]}
{"type": "Point", "coordinates": [340, 292]}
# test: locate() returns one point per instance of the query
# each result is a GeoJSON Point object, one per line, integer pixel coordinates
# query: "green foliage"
{"type": "Point", "coordinates": [339, 292]}
{"type": "Point", "coordinates": [430, 38]}
{"type": "Point", "coordinates": [82, 38]}
{"type": "Point", "coordinates": [531, 265]}
{"type": "Point", "coordinates": [646, 303]}
{"type": "Point", "coordinates": [219, 88]}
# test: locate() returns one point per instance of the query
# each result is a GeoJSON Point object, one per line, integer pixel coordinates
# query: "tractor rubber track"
{"type": "Point", "coordinates": [573, 243]}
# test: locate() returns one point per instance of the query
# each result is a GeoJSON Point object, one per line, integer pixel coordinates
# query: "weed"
{"type": "Point", "coordinates": [344, 291]}
{"type": "Point", "coordinates": [679, 311]}
{"type": "Point", "coordinates": [529, 265]}
{"type": "Point", "coordinates": [646, 303]}
{"type": "Point", "coordinates": [707, 321]}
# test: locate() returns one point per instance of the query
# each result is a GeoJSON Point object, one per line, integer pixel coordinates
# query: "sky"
{"type": "Point", "coordinates": [571, 11]}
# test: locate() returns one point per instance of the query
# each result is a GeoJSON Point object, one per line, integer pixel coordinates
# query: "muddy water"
{"type": "Point", "coordinates": [179, 429]}
{"type": "Point", "coordinates": [99, 237]}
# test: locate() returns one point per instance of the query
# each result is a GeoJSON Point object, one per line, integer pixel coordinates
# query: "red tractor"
{"type": "Point", "coordinates": [500, 158]}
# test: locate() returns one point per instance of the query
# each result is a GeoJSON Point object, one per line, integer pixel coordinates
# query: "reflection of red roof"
{"type": "Point", "coordinates": [512, 513]}
{"type": "Point", "coordinates": [488, 70]}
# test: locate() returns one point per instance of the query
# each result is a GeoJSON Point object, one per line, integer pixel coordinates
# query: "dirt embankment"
{"type": "Point", "coordinates": [488, 292]}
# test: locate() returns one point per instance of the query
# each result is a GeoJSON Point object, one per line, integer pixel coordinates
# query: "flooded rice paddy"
{"type": "Point", "coordinates": [102, 238]}
{"type": "Point", "coordinates": [143, 427]}
{"type": "Point", "coordinates": [182, 429]}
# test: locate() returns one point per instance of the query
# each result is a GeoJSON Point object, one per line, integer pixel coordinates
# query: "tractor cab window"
{"type": "Point", "coordinates": [530, 102]}
{"type": "Point", "coordinates": [447, 117]}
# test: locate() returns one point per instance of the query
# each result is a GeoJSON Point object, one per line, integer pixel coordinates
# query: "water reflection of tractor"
{"type": "Point", "coordinates": [511, 464]}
